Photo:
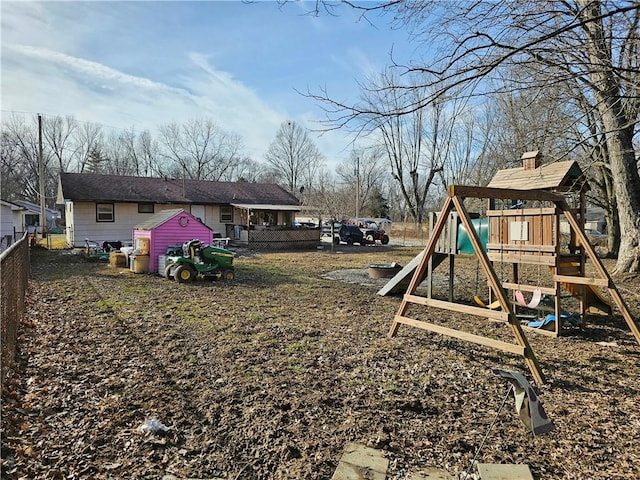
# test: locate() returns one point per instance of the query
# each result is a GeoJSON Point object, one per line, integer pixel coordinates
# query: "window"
{"type": "Point", "coordinates": [145, 208]}
{"type": "Point", "coordinates": [105, 212]}
{"type": "Point", "coordinates": [226, 214]}
{"type": "Point", "coordinates": [31, 219]}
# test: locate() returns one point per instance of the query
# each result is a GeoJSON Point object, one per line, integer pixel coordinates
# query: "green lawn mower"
{"type": "Point", "coordinates": [198, 261]}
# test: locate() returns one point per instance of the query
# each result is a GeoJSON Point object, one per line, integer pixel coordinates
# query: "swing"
{"type": "Point", "coordinates": [535, 299]}
{"type": "Point", "coordinates": [493, 305]}
{"type": "Point", "coordinates": [537, 293]}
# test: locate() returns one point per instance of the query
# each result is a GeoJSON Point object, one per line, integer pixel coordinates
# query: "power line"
{"type": "Point", "coordinates": [67, 115]}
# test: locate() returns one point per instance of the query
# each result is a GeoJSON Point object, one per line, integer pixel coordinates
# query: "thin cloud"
{"type": "Point", "coordinates": [93, 70]}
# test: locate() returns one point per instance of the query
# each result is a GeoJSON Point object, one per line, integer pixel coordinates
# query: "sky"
{"type": "Point", "coordinates": [143, 64]}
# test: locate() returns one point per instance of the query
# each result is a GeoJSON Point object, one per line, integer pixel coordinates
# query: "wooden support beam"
{"type": "Point", "coordinates": [471, 191]}
{"type": "Point", "coordinates": [600, 282]}
{"type": "Point", "coordinates": [548, 261]}
{"type": "Point", "coordinates": [459, 307]}
{"type": "Point", "coordinates": [529, 288]}
{"type": "Point", "coordinates": [522, 248]}
{"type": "Point", "coordinates": [548, 333]}
{"type": "Point", "coordinates": [519, 212]}
{"type": "Point", "coordinates": [469, 337]}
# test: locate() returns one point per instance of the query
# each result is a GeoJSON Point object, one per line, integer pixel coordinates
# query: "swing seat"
{"type": "Point", "coordinates": [535, 300]}
{"type": "Point", "coordinates": [491, 306]}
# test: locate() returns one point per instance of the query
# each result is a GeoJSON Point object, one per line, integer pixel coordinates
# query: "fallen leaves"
{"type": "Point", "coordinates": [271, 376]}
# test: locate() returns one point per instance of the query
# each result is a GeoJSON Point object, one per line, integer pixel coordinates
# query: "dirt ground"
{"type": "Point", "coordinates": [271, 376]}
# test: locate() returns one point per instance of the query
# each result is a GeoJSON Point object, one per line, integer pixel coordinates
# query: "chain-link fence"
{"type": "Point", "coordinates": [14, 270]}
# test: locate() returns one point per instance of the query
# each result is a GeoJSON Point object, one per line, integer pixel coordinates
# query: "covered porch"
{"type": "Point", "coordinates": [270, 227]}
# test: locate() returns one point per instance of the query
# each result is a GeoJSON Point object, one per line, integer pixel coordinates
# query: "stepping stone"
{"type": "Point", "coordinates": [360, 462]}
{"type": "Point", "coordinates": [509, 471]}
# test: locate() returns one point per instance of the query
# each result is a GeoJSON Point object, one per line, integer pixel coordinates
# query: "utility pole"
{"type": "Point", "coordinates": [43, 208]}
{"type": "Point", "coordinates": [357, 187]}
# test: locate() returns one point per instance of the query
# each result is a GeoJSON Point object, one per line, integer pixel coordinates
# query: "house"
{"type": "Point", "coordinates": [30, 215]}
{"type": "Point", "coordinates": [11, 226]}
{"type": "Point", "coordinates": [108, 207]}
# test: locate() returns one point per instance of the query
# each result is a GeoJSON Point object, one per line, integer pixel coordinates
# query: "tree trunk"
{"type": "Point", "coordinates": [627, 188]}
{"type": "Point", "coordinates": [619, 138]}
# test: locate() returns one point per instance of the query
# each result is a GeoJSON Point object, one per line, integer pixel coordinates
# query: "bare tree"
{"type": "Point", "coordinates": [333, 198]}
{"type": "Point", "coordinates": [363, 174]}
{"type": "Point", "coordinates": [58, 134]}
{"type": "Point", "coordinates": [199, 149]}
{"type": "Point", "coordinates": [21, 145]}
{"type": "Point", "coordinates": [294, 157]}
{"type": "Point", "coordinates": [128, 153]}
{"type": "Point", "coordinates": [418, 143]}
{"type": "Point", "coordinates": [594, 42]}
{"type": "Point", "coordinates": [13, 169]}
{"type": "Point", "coordinates": [246, 170]}
{"type": "Point", "coordinates": [88, 140]}
{"type": "Point", "coordinates": [147, 154]}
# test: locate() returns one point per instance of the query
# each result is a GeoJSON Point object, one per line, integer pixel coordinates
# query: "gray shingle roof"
{"type": "Point", "coordinates": [115, 188]}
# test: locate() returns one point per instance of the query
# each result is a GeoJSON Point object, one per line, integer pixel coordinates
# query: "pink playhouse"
{"type": "Point", "coordinates": [166, 228]}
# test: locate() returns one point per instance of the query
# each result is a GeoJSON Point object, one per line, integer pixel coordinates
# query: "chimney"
{"type": "Point", "coordinates": [531, 160]}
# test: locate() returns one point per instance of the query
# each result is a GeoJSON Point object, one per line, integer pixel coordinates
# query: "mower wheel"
{"type": "Point", "coordinates": [184, 274]}
{"type": "Point", "coordinates": [385, 239]}
{"type": "Point", "coordinates": [168, 272]}
{"type": "Point", "coordinates": [349, 241]}
{"type": "Point", "coordinates": [228, 275]}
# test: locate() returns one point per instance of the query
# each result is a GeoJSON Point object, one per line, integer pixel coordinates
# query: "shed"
{"type": "Point", "coordinates": [167, 228]}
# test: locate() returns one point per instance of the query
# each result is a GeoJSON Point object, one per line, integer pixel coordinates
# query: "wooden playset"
{"type": "Point", "coordinates": [525, 210]}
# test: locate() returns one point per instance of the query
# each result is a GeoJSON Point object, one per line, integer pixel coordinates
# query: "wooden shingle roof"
{"type": "Point", "coordinates": [91, 187]}
{"type": "Point", "coordinates": [559, 176]}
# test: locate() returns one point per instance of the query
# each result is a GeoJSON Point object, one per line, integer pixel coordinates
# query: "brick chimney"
{"type": "Point", "coordinates": [531, 160]}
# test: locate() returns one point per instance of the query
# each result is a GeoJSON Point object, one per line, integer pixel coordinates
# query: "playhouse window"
{"type": "Point", "coordinates": [145, 208]}
{"type": "Point", "coordinates": [226, 214]}
{"type": "Point", "coordinates": [105, 212]}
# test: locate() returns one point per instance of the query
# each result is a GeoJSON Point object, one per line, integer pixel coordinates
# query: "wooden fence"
{"type": "Point", "coordinates": [14, 270]}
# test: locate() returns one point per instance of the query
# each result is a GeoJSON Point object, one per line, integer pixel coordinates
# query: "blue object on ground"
{"type": "Point", "coordinates": [571, 319]}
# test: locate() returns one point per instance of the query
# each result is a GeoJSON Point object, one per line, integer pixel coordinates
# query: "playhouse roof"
{"type": "Point", "coordinates": [558, 176]}
{"type": "Point", "coordinates": [164, 216]}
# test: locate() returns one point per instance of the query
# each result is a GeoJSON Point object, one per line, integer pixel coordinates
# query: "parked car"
{"type": "Point", "coordinates": [350, 234]}
{"type": "Point", "coordinates": [298, 224]}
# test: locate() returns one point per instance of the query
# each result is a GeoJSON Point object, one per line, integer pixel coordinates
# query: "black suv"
{"type": "Point", "coordinates": [350, 234]}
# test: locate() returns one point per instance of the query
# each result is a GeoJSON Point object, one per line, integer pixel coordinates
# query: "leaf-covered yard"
{"type": "Point", "coordinates": [270, 377]}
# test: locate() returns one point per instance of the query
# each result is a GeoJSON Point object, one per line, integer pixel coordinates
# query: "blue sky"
{"type": "Point", "coordinates": [142, 64]}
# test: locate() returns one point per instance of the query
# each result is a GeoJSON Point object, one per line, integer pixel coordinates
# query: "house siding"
{"type": "Point", "coordinates": [10, 224]}
{"type": "Point", "coordinates": [81, 222]}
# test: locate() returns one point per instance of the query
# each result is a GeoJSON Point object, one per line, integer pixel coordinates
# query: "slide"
{"type": "Point", "coordinates": [596, 303]}
{"type": "Point", "coordinates": [400, 282]}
